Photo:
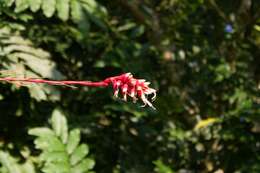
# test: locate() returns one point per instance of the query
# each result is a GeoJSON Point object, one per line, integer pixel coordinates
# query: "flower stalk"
{"type": "Point", "coordinates": [124, 84]}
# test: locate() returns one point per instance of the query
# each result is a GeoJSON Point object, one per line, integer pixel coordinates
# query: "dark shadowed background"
{"type": "Point", "coordinates": [203, 57]}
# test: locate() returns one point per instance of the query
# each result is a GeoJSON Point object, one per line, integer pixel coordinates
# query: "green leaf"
{"type": "Point", "coordinates": [55, 157]}
{"type": "Point", "coordinates": [59, 124]}
{"type": "Point", "coordinates": [41, 132]}
{"type": "Point", "coordinates": [28, 167]}
{"type": "Point", "coordinates": [21, 5]}
{"type": "Point", "coordinates": [94, 8]}
{"type": "Point", "coordinates": [96, 12]}
{"type": "Point", "coordinates": [9, 2]}
{"type": "Point", "coordinates": [44, 67]}
{"type": "Point", "coordinates": [94, 18]}
{"type": "Point", "coordinates": [76, 11]}
{"type": "Point", "coordinates": [162, 168]}
{"type": "Point", "coordinates": [37, 92]}
{"type": "Point", "coordinates": [79, 153]}
{"type": "Point", "coordinates": [9, 163]}
{"type": "Point", "coordinates": [35, 5]}
{"type": "Point", "coordinates": [48, 7]}
{"type": "Point", "coordinates": [79, 17]}
{"type": "Point", "coordinates": [73, 140]}
{"type": "Point", "coordinates": [84, 166]}
{"type": "Point", "coordinates": [59, 167]}
{"type": "Point", "coordinates": [84, 25]}
{"type": "Point", "coordinates": [63, 9]}
{"type": "Point", "coordinates": [59, 155]}
{"type": "Point", "coordinates": [49, 144]}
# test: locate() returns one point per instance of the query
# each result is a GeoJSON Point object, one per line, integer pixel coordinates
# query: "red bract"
{"type": "Point", "coordinates": [134, 88]}
{"type": "Point", "coordinates": [125, 83]}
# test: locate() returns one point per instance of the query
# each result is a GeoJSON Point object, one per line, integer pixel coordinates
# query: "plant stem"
{"type": "Point", "coordinates": [56, 82]}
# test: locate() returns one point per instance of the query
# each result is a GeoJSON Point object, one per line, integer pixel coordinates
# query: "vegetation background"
{"type": "Point", "coordinates": [202, 56]}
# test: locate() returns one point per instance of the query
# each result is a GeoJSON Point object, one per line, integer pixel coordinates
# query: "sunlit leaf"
{"type": "Point", "coordinates": [59, 124]}
{"type": "Point", "coordinates": [205, 123]}
{"type": "Point", "coordinates": [63, 9]}
{"type": "Point", "coordinates": [48, 7]}
{"type": "Point", "coordinates": [73, 140]}
{"type": "Point", "coordinates": [79, 153]}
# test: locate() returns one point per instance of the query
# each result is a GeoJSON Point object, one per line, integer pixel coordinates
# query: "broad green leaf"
{"type": "Point", "coordinates": [76, 11]}
{"type": "Point", "coordinates": [63, 9]}
{"type": "Point", "coordinates": [48, 7]}
{"type": "Point", "coordinates": [73, 140]}
{"type": "Point", "coordinates": [59, 124]}
{"type": "Point", "coordinates": [79, 153]}
{"type": "Point", "coordinates": [83, 166]}
{"type": "Point", "coordinates": [35, 5]}
{"type": "Point", "coordinates": [21, 5]}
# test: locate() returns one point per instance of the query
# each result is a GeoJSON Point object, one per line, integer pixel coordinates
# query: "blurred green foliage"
{"type": "Point", "coordinates": [201, 56]}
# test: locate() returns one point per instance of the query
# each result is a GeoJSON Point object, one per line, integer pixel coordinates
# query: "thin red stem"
{"type": "Point", "coordinates": [55, 82]}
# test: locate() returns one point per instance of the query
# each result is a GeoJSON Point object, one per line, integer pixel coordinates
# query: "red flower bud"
{"type": "Point", "coordinates": [134, 88]}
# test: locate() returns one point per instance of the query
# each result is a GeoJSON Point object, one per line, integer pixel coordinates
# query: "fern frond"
{"type": "Point", "coordinates": [63, 8]}
{"type": "Point", "coordinates": [25, 60]}
{"type": "Point", "coordinates": [61, 150]}
{"type": "Point", "coordinates": [10, 164]}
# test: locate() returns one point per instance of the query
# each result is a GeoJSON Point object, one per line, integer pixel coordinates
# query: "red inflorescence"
{"type": "Point", "coordinates": [126, 83]}
{"type": "Point", "coordinates": [135, 88]}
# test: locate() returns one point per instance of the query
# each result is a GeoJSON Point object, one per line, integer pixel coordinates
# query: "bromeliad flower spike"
{"type": "Point", "coordinates": [135, 88]}
{"type": "Point", "coordinates": [125, 84]}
